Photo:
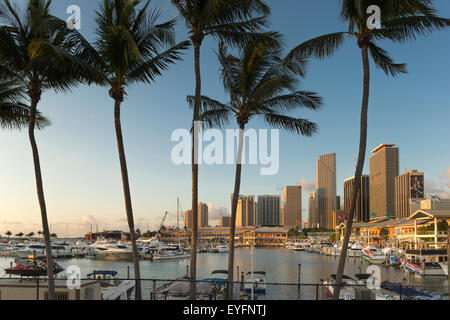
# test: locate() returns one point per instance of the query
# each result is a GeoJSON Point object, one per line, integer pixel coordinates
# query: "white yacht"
{"type": "Point", "coordinates": [355, 250]}
{"type": "Point", "coordinates": [373, 255]}
{"type": "Point", "coordinates": [110, 251]}
{"type": "Point", "coordinates": [221, 248]}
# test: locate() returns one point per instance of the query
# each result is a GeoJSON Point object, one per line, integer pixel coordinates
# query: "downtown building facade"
{"type": "Point", "coordinates": [292, 210]}
{"type": "Point", "coordinates": [409, 192]}
{"type": "Point", "coordinates": [325, 196]}
{"type": "Point", "coordinates": [362, 209]}
{"type": "Point", "coordinates": [435, 203]}
{"type": "Point", "coordinates": [246, 211]}
{"type": "Point", "coordinates": [203, 220]}
{"type": "Point", "coordinates": [225, 221]}
{"type": "Point", "coordinates": [268, 213]}
{"type": "Point", "coordinates": [312, 217]}
{"type": "Point", "coordinates": [384, 167]}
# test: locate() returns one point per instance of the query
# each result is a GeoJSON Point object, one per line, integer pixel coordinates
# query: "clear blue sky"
{"type": "Point", "coordinates": [79, 155]}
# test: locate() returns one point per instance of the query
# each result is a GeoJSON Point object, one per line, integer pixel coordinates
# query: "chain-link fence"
{"type": "Point", "coordinates": [216, 289]}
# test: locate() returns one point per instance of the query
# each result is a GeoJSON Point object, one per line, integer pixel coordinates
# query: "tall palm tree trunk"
{"type": "Point", "coordinates": [196, 117]}
{"type": "Point", "coordinates": [237, 187]}
{"type": "Point", "coordinates": [35, 95]}
{"type": "Point", "coordinates": [127, 195]}
{"type": "Point", "coordinates": [358, 171]}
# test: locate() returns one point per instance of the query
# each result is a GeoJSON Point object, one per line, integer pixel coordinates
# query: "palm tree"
{"type": "Point", "coordinates": [39, 233]}
{"type": "Point", "coordinates": [401, 21]}
{"type": "Point", "coordinates": [20, 235]}
{"type": "Point", "coordinates": [14, 113]}
{"type": "Point", "coordinates": [260, 84]}
{"type": "Point", "coordinates": [37, 52]}
{"type": "Point", "coordinates": [128, 50]}
{"type": "Point", "coordinates": [8, 234]}
{"type": "Point", "coordinates": [232, 21]}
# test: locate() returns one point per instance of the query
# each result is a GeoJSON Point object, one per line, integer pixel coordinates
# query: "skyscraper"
{"type": "Point", "coordinates": [292, 206]}
{"type": "Point", "coordinates": [362, 210]}
{"type": "Point", "coordinates": [326, 189]}
{"type": "Point", "coordinates": [311, 210]}
{"type": "Point", "coordinates": [202, 216]}
{"type": "Point", "coordinates": [269, 210]}
{"type": "Point", "coordinates": [409, 191]}
{"type": "Point", "coordinates": [384, 167]}
{"type": "Point", "coordinates": [246, 211]}
{"type": "Point", "coordinates": [225, 221]}
{"type": "Point", "coordinates": [338, 203]}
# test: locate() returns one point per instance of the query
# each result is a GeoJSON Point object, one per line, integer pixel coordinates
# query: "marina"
{"type": "Point", "coordinates": [278, 267]}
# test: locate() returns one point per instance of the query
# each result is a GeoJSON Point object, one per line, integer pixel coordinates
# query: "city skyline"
{"type": "Point", "coordinates": [80, 167]}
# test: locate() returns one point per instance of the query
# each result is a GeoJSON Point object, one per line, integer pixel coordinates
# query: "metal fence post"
{"type": "Point", "coordinates": [37, 288]}
{"type": "Point", "coordinates": [317, 291]}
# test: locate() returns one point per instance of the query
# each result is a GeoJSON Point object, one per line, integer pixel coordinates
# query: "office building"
{"type": "Point", "coordinates": [409, 191]}
{"type": "Point", "coordinates": [269, 210]}
{"type": "Point", "coordinates": [362, 209]}
{"type": "Point", "coordinates": [384, 167]}
{"type": "Point", "coordinates": [245, 211]}
{"type": "Point", "coordinates": [292, 213]}
{"type": "Point", "coordinates": [311, 210]}
{"type": "Point", "coordinates": [326, 189]}
{"type": "Point", "coordinates": [435, 203]}
{"type": "Point", "coordinates": [225, 221]}
{"type": "Point", "coordinates": [202, 216]}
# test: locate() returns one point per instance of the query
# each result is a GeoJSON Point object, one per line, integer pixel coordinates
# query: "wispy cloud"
{"type": "Point", "coordinates": [306, 185]}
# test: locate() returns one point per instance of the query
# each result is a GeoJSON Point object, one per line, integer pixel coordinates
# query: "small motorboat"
{"type": "Point", "coordinates": [347, 292]}
{"type": "Point", "coordinates": [258, 284]}
{"type": "Point", "coordinates": [113, 289]}
{"type": "Point", "coordinates": [427, 269]}
{"type": "Point", "coordinates": [25, 268]}
{"type": "Point", "coordinates": [221, 282]}
{"type": "Point", "coordinates": [373, 255]}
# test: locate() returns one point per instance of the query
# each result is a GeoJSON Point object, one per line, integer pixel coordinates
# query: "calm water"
{"type": "Point", "coordinates": [281, 266]}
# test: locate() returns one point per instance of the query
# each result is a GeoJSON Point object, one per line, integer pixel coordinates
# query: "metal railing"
{"type": "Point", "coordinates": [167, 289]}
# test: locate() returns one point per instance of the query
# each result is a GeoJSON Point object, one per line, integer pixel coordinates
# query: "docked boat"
{"type": "Point", "coordinates": [221, 248]}
{"type": "Point", "coordinates": [110, 251]}
{"type": "Point", "coordinates": [220, 278]}
{"type": "Point", "coordinates": [426, 269]}
{"type": "Point", "coordinates": [257, 284]}
{"type": "Point", "coordinates": [411, 293]}
{"type": "Point", "coordinates": [113, 289]}
{"type": "Point", "coordinates": [355, 250]}
{"type": "Point", "coordinates": [347, 292]}
{"type": "Point", "coordinates": [25, 268]}
{"type": "Point", "coordinates": [170, 255]}
{"type": "Point", "coordinates": [373, 255]}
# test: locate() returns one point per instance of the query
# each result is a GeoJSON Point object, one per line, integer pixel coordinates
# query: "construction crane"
{"type": "Point", "coordinates": [162, 223]}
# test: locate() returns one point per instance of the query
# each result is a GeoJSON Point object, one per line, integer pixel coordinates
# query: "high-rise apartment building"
{"type": "Point", "coordinates": [269, 210]}
{"type": "Point", "coordinates": [326, 189]}
{"type": "Point", "coordinates": [202, 216]}
{"type": "Point", "coordinates": [312, 219]}
{"type": "Point", "coordinates": [292, 213]}
{"type": "Point", "coordinates": [225, 221]}
{"type": "Point", "coordinates": [384, 167]}
{"type": "Point", "coordinates": [245, 211]}
{"type": "Point", "coordinates": [435, 203]}
{"type": "Point", "coordinates": [362, 210]}
{"type": "Point", "coordinates": [409, 191]}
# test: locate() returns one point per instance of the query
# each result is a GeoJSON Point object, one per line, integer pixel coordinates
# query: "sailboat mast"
{"type": "Point", "coordinates": [178, 222]}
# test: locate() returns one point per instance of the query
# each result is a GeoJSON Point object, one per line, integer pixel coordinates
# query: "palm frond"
{"type": "Point", "coordinates": [384, 61]}
{"type": "Point", "coordinates": [319, 47]}
{"type": "Point", "coordinates": [299, 126]}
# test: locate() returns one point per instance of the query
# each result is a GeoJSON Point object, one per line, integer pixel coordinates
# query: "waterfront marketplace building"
{"type": "Point", "coordinates": [259, 236]}
{"type": "Point", "coordinates": [421, 230]}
